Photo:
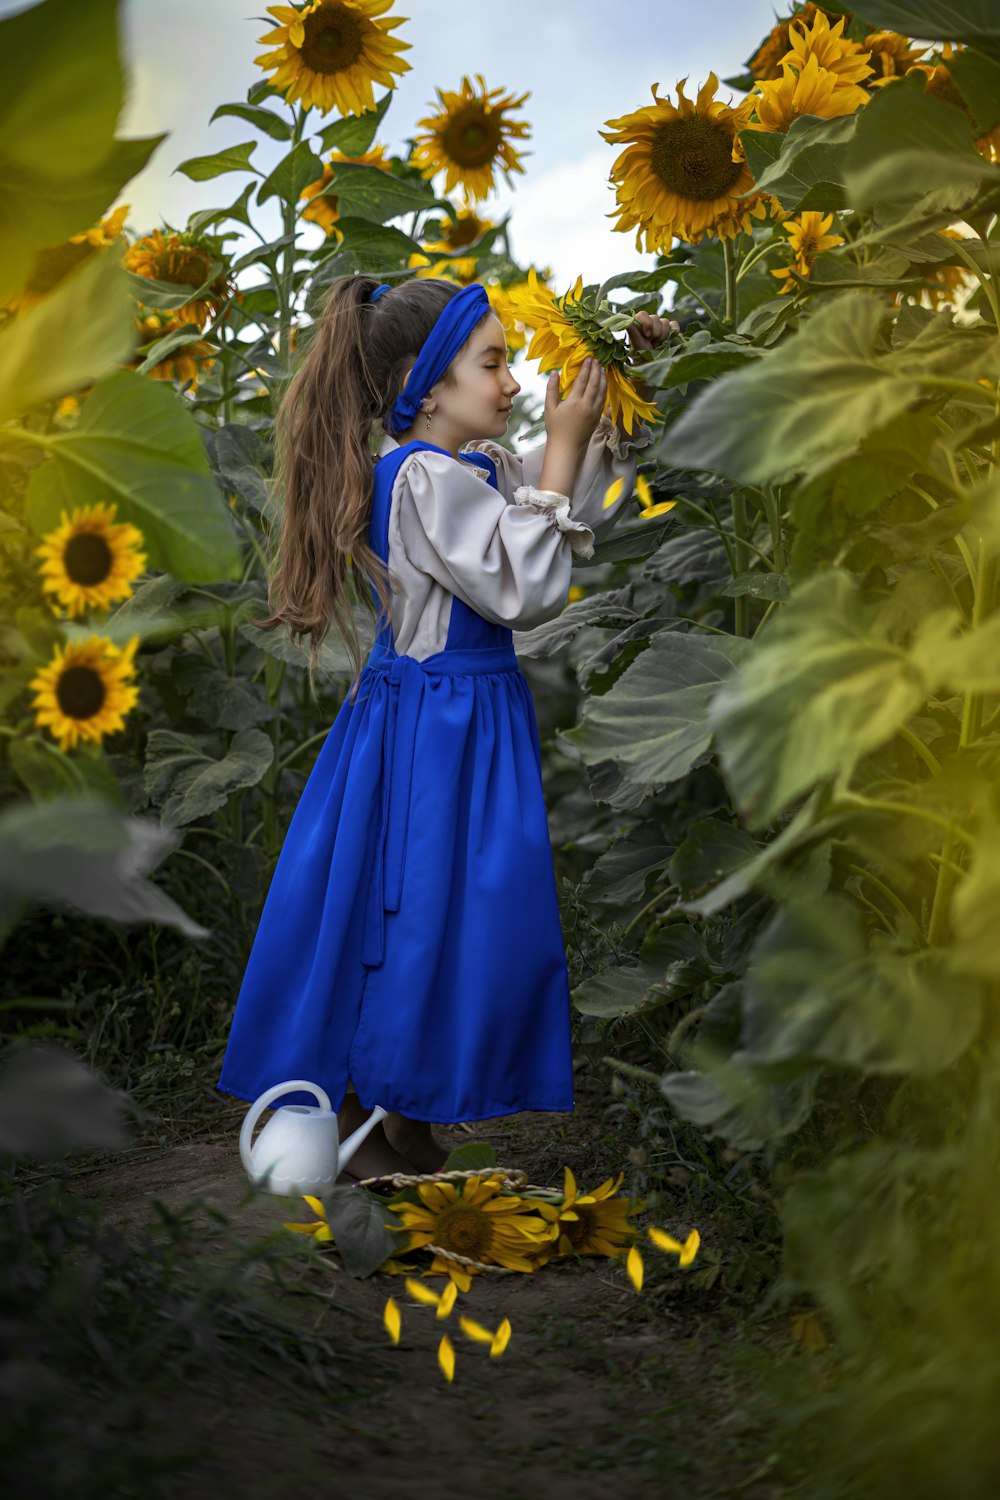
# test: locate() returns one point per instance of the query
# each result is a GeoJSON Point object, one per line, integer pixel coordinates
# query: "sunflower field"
{"type": "Point", "coordinates": [770, 712]}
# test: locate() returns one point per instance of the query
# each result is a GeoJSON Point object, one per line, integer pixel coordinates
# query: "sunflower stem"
{"type": "Point", "coordinates": [741, 562]}
{"type": "Point", "coordinates": [732, 284]}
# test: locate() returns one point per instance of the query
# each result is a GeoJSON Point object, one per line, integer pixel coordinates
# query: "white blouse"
{"type": "Point", "coordinates": [508, 553]}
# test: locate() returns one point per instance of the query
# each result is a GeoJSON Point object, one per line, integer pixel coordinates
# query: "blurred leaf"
{"type": "Point", "coordinates": [711, 850]}
{"type": "Point", "coordinates": [739, 1103]}
{"type": "Point", "coordinates": [219, 700]}
{"type": "Point", "coordinates": [51, 1103]}
{"type": "Point", "coordinates": [759, 585]}
{"type": "Point", "coordinates": [82, 329]}
{"type": "Point", "coordinates": [978, 81]}
{"type": "Point", "coordinates": [976, 946]}
{"type": "Point", "coordinates": [973, 22]}
{"type": "Point", "coordinates": [653, 721]}
{"type": "Point", "coordinates": [136, 443]}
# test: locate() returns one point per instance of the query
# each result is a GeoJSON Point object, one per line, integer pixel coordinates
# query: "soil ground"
{"type": "Point", "coordinates": [600, 1391]}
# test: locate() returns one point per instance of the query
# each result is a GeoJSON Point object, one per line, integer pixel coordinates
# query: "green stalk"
{"type": "Point", "coordinates": [286, 288]}
{"type": "Point", "coordinates": [741, 557]}
{"type": "Point", "coordinates": [732, 283]}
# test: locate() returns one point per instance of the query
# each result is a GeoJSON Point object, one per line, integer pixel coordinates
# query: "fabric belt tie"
{"type": "Point", "coordinates": [405, 683]}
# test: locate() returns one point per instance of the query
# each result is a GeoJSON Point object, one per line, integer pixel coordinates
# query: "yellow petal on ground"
{"type": "Point", "coordinates": [447, 1300]}
{"type": "Point", "coordinates": [421, 1293]}
{"type": "Point", "coordinates": [476, 1330]}
{"type": "Point", "coordinates": [392, 1319]}
{"type": "Point", "coordinates": [664, 1241]}
{"type": "Point", "coordinates": [634, 1267]}
{"type": "Point", "coordinates": [446, 1358]}
{"type": "Point", "coordinates": [612, 493]}
{"type": "Point", "coordinates": [501, 1339]}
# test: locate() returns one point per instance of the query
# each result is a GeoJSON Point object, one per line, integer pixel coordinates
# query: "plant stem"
{"type": "Point", "coordinates": [741, 556]}
{"type": "Point", "coordinates": [732, 283]}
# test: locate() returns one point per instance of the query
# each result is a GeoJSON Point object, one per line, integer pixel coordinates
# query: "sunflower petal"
{"type": "Point", "coordinates": [392, 1318]}
{"type": "Point", "coordinates": [476, 1330]}
{"type": "Point", "coordinates": [447, 1299]}
{"type": "Point", "coordinates": [634, 1267]}
{"type": "Point", "coordinates": [690, 1249]}
{"type": "Point", "coordinates": [446, 1358]}
{"type": "Point", "coordinates": [421, 1293]}
{"type": "Point", "coordinates": [501, 1339]}
{"type": "Point", "coordinates": [664, 1241]}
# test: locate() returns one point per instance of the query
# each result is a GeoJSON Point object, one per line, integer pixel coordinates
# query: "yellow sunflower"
{"type": "Point", "coordinates": [940, 85]}
{"type": "Point", "coordinates": [185, 363]}
{"type": "Point", "coordinates": [504, 302]}
{"type": "Point", "coordinates": [456, 235]}
{"type": "Point", "coordinates": [828, 45]}
{"type": "Point", "coordinates": [808, 236]}
{"type": "Point", "coordinates": [811, 91]}
{"type": "Point", "coordinates": [470, 137]}
{"type": "Point", "coordinates": [324, 209]}
{"type": "Point", "coordinates": [182, 260]}
{"type": "Point", "coordinates": [891, 55]}
{"type": "Point", "coordinates": [461, 270]}
{"type": "Point", "coordinates": [332, 51]}
{"type": "Point", "coordinates": [684, 171]}
{"type": "Point", "coordinates": [86, 690]}
{"type": "Point", "coordinates": [591, 1223]}
{"type": "Point", "coordinates": [766, 61]}
{"type": "Point", "coordinates": [90, 561]}
{"type": "Point", "coordinates": [564, 337]}
{"type": "Point", "coordinates": [474, 1218]}
{"type": "Point", "coordinates": [55, 263]}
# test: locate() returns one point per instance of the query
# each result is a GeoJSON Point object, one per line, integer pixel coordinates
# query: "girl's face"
{"type": "Point", "coordinates": [478, 404]}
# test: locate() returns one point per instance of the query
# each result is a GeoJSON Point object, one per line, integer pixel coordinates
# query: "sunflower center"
{"type": "Point", "coordinates": [80, 692]}
{"type": "Point", "coordinates": [693, 157]}
{"type": "Point", "coordinates": [87, 558]}
{"type": "Point", "coordinates": [472, 137]}
{"type": "Point", "coordinates": [184, 267]}
{"type": "Point", "coordinates": [577, 1230]}
{"type": "Point", "coordinates": [465, 1229]}
{"type": "Point", "coordinates": [332, 40]}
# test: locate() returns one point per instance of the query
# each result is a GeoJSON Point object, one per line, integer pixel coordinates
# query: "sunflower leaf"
{"type": "Point", "coordinates": [265, 119]}
{"type": "Point", "coordinates": [469, 1155]}
{"type": "Point", "coordinates": [232, 159]}
{"type": "Point", "coordinates": [803, 168]}
{"type": "Point", "coordinates": [361, 1229]}
{"type": "Point", "coordinates": [354, 135]}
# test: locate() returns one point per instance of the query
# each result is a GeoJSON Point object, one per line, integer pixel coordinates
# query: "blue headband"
{"type": "Point", "coordinates": [454, 323]}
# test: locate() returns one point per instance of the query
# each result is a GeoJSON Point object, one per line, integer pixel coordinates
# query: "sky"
{"type": "Point", "coordinates": [582, 62]}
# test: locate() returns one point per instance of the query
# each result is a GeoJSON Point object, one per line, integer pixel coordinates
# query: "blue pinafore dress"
{"type": "Point", "coordinates": [410, 941]}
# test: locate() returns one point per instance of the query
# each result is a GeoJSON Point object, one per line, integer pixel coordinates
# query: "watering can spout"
{"type": "Point", "coordinates": [348, 1147]}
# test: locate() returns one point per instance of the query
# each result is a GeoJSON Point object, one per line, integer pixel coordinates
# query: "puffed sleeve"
{"type": "Point", "coordinates": [609, 455]}
{"type": "Point", "coordinates": [510, 563]}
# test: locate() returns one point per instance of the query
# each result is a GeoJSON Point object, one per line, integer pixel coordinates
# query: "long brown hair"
{"type": "Point", "coordinates": [327, 430]}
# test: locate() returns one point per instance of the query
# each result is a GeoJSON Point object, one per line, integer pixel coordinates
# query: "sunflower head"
{"type": "Point", "coordinates": [184, 260]}
{"type": "Point", "coordinates": [469, 137]}
{"type": "Point", "coordinates": [475, 1221]}
{"type": "Point", "coordinates": [53, 264]}
{"type": "Point", "coordinates": [85, 691]}
{"type": "Point", "coordinates": [591, 1223]}
{"type": "Point", "coordinates": [184, 363]}
{"type": "Point", "coordinates": [329, 53]}
{"type": "Point", "coordinates": [89, 562]}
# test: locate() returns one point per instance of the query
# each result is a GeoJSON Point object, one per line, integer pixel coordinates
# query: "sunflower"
{"type": "Point", "coordinates": [504, 302]}
{"type": "Point", "coordinates": [88, 562]}
{"type": "Point", "coordinates": [766, 61]}
{"type": "Point", "coordinates": [566, 332]}
{"type": "Point", "coordinates": [813, 91]}
{"type": "Point", "coordinates": [456, 235]}
{"type": "Point", "coordinates": [469, 137]}
{"type": "Point", "coordinates": [684, 172]}
{"type": "Point", "coordinates": [591, 1223]}
{"type": "Point", "coordinates": [808, 235]}
{"type": "Point", "coordinates": [332, 51]}
{"type": "Point", "coordinates": [182, 260]}
{"type": "Point", "coordinates": [183, 363]}
{"type": "Point", "coordinates": [461, 270]}
{"type": "Point", "coordinates": [940, 85]}
{"type": "Point", "coordinates": [890, 55]}
{"type": "Point", "coordinates": [478, 1221]}
{"type": "Point", "coordinates": [324, 209]}
{"type": "Point", "coordinates": [945, 281]}
{"type": "Point", "coordinates": [86, 690]}
{"type": "Point", "coordinates": [53, 264]}
{"type": "Point", "coordinates": [828, 45]}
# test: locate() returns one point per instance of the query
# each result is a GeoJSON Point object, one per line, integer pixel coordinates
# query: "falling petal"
{"type": "Point", "coordinates": [501, 1339]}
{"type": "Point", "coordinates": [476, 1331]}
{"type": "Point", "coordinates": [447, 1300]}
{"type": "Point", "coordinates": [659, 509]}
{"type": "Point", "coordinates": [634, 1267]}
{"type": "Point", "coordinates": [392, 1319]}
{"type": "Point", "coordinates": [612, 493]}
{"type": "Point", "coordinates": [690, 1249]}
{"type": "Point", "coordinates": [421, 1293]}
{"type": "Point", "coordinates": [643, 491]}
{"type": "Point", "coordinates": [664, 1241]}
{"type": "Point", "coordinates": [446, 1357]}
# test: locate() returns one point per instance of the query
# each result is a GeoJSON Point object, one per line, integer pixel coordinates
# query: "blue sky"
{"type": "Point", "coordinates": [584, 62]}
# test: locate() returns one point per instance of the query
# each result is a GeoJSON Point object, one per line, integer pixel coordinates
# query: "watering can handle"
{"type": "Point", "coordinates": [295, 1085]}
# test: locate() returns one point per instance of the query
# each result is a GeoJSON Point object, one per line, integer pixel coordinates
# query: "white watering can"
{"type": "Point", "coordinates": [298, 1150]}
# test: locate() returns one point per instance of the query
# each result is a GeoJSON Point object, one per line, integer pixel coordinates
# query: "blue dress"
{"type": "Point", "coordinates": [410, 940]}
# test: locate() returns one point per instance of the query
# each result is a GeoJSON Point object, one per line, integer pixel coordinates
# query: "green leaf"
{"type": "Point", "coordinates": [653, 722]}
{"type": "Point", "coordinates": [978, 81]}
{"type": "Point", "coordinates": [619, 875]}
{"type": "Point", "coordinates": [332, 658]}
{"type": "Point", "coordinates": [161, 348]}
{"type": "Point", "coordinates": [976, 932]}
{"type": "Point", "coordinates": [371, 193]}
{"type": "Point", "coordinates": [167, 295]}
{"type": "Point", "coordinates": [84, 851]}
{"type": "Point", "coordinates": [84, 328]}
{"type": "Point", "coordinates": [812, 397]}
{"type": "Point", "coordinates": [974, 22]}
{"type": "Point", "coordinates": [135, 443]}
{"type": "Point", "coordinates": [232, 159]}
{"type": "Point", "coordinates": [758, 585]}
{"type": "Point", "coordinates": [184, 779]}
{"type": "Point", "coordinates": [360, 1223]}
{"type": "Point", "coordinates": [808, 827]}
{"type": "Point", "coordinates": [914, 152]}
{"type": "Point", "coordinates": [739, 1104]}
{"type": "Point", "coordinates": [711, 850]}
{"type": "Point", "coordinates": [610, 611]}
{"type": "Point", "coordinates": [803, 168]}
{"type": "Point", "coordinates": [818, 692]}
{"type": "Point", "coordinates": [374, 247]}
{"type": "Point", "coordinates": [273, 125]}
{"type": "Point", "coordinates": [294, 172]}
{"type": "Point", "coordinates": [218, 699]}
{"type": "Point", "coordinates": [623, 990]}
{"type": "Point", "coordinates": [819, 991]}
{"type": "Point", "coordinates": [470, 1156]}
{"type": "Point", "coordinates": [702, 364]}
{"type": "Point", "coordinates": [354, 134]}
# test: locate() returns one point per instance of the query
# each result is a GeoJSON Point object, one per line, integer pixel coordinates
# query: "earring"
{"type": "Point", "coordinates": [428, 416]}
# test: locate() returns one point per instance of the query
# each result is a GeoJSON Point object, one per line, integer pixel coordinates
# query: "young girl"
{"type": "Point", "coordinates": [409, 953]}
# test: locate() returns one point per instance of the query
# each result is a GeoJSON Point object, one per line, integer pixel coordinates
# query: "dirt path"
{"type": "Point", "coordinates": [600, 1390]}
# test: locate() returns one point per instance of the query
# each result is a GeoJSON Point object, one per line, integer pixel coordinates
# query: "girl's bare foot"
{"type": "Point", "coordinates": [375, 1156]}
{"type": "Point", "coordinates": [416, 1141]}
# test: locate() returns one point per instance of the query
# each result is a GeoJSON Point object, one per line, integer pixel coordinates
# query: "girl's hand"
{"type": "Point", "coordinates": [647, 331]}
{"type": "Point", "coordinates": [573, 419]}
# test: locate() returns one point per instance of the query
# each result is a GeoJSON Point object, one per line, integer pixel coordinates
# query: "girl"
{"type": "Point", "coordinates": [409, 952]}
